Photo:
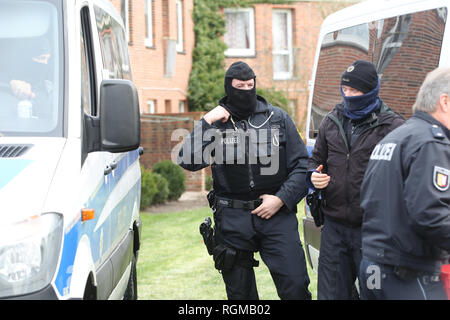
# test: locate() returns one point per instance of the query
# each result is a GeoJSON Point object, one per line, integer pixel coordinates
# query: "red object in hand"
{"type": "Point", "coordinates": [445, 276]}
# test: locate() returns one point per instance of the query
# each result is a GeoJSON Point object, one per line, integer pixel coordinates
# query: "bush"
{"type": "Point", "coordinates": [162, 187]}
{"type": "Point", "coordinates": [148, 190]}
{"type": "Point", "coordinates": [154, 188]}
{"type": "Point", "coordinates": [208, 182]}
{"type": "Point", "coordinates": [174, 176]}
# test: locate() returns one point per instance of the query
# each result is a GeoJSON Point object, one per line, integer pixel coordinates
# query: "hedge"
{"type": "Point", "coordinates": [174, 175]}
{"type": "Point", "coordinates": [154, 188]}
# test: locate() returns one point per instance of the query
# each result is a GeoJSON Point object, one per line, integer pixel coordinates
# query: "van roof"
{"type": "Point", "coordinates": [370, 10]}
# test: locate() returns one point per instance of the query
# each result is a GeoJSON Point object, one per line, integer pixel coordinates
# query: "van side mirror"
{"type": "Point", "coordinates": [117, 129]}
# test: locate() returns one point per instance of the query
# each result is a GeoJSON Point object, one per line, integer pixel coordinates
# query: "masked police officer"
{"type": "Point", "coordinates": [258, 163]}
{"type": "Point", "coordinates": [405, 196]}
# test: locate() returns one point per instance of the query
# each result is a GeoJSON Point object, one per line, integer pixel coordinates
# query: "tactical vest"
{"type": "Point", "coordinates": [253, 158]}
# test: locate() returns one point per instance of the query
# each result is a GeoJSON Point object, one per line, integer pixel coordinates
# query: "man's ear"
{"type": "Point", "coordinates": [444, 102]}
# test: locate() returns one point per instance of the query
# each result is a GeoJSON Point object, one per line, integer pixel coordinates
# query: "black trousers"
{"type": "Point", "coordinates": [278, 243]}
{"type": "Point", "coordinates": [379, 282]}
{"type": "Point", "coordinates": [339, 259]}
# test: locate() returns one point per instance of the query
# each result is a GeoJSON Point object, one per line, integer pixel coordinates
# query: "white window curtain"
{"type": "Point", "coordinates": [282, 44]}
{"type": "Point", "coordinates": [240, 32]}
{"type": "Point", "coordinates": [148, 23]}
{"type": "Point", "coordinates": [179, 26]}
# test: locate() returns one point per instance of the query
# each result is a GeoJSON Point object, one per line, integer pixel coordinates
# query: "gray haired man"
{"type": "Point", "coordinates": [405, 196]}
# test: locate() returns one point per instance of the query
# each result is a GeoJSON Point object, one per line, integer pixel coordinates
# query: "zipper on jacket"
{"type": "Point", "coordinates": [347, 160]}
{"type": "Point", "coordinates": [247, 156]}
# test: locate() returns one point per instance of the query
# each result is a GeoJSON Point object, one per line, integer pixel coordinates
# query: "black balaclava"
{"type": "Point", "coordinates": [240, 103]}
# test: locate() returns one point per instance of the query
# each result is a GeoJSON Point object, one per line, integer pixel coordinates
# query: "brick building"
{"type": "Point", "coordinates": [161, 40]}
{"type": "Point", "coordinates": [278, 42]}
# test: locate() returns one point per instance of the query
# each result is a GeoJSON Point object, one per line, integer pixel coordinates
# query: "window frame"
{"type": "Point", "coordinates": [237, 52]}
{"type": "Point", "coordinates": [180, 26]}
{"type": "Point", "coordinates": [151, 106]}
{"type": "Point", "coordinates": [86, 31]}
{"type": "Point", "coordinates": [126, 16]}
{"type": "Point", "coordinates": [181, 106]}
{"type": "Point", "coordinates": [283, 75]}
{"type": "Point", "coordinates": [149, 41]}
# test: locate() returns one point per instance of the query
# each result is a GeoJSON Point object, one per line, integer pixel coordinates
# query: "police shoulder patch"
{"type": "Point", "coordinates": [440, 178]}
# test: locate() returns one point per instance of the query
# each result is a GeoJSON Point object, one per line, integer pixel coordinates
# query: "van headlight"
{"type": "Point", "coordinates": [29, 252]}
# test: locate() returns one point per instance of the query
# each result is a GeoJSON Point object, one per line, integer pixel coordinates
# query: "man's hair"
{"type": "Point", "coordinates": [436, 83]}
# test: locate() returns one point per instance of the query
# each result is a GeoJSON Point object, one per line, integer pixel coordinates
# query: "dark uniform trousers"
{"type": "Point", "coordinates": [339, 259]}
{"type": "Point", "coordinates": [380, 282]}
{"type": "Point", "coordinates": [277, 240]}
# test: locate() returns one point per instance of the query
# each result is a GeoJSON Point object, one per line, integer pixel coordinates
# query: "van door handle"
{"type": "Point", "coordinates": [109, 168]}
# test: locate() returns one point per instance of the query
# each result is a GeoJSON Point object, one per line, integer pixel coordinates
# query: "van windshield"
{"type": "Point", "coordinates": [31, 63]}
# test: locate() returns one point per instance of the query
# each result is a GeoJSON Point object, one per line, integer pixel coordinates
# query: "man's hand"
{"type": "Point", "coordinates": [216, 114]}
{"type": "Point", "coordinates": [270, 205]}
{"type": "Point", "coordinates": [320, 180]}
{"type": "Point", "coordinates": [21, 89]}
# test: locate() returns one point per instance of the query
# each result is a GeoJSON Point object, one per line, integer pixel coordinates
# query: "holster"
{"type": "Point", "coordinates": [211, 196]}
{"type": "Point", "coordinates": [315, 205]}
{"type": "Point", "coordinates": [224, 257]}
{"type": "Point", "coordinates": [208, 235]}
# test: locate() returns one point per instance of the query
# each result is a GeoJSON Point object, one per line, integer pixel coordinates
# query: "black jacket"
{"type": "Point", "coordinates": [346, 166]}
{"type": "Point", "coordinates": [243, 179]}
{"type": "Point", "coordinates": [406, 197]}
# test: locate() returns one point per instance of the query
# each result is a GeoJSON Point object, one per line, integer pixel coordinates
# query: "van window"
{"type": "Point", "coordinates": [403, 48]}
{"type": "Point", "coordinates": [31, 68]}
{"type": "Point", "coordinates": [113, 45]}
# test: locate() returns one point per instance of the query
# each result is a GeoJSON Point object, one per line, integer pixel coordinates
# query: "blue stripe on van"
{"type": "Point", "coordinates": [10, 168]}
{"type": "Point", "coordinates": [117, 222]}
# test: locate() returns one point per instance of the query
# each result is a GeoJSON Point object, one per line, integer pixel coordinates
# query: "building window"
{"type": "Point", "coordinates": [282, 44]}
{"type": "Point", "coordinates": [125, 13]}
{"type": "Point", "coordinates": [240, 32]}
{"type": "Point", "coordinates": [151, 106]}
{"type": "Point", "coordinates": [181, 106]}
{"type": "Point", "coordinates": [149, 23]}
{"type": "Point", "coordinates": [180, 26]}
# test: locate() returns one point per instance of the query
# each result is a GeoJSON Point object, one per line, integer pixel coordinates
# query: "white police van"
{"type": "Point", "coordinates": [405, 39]}
{"type": "Point", "coordinates": [69, 152]}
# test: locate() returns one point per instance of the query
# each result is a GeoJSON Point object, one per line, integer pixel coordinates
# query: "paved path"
{"type": "Point", "coordinates": [188, 200]}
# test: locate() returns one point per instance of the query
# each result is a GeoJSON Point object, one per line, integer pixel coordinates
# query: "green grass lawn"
{"type": "Point", "coordinates": [174, 264]}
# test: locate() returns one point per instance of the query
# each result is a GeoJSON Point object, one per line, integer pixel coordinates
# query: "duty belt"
{"type": "Point", "coordinates": [408, 274]}
{"type": "Point", "coordinates": [238, 204]}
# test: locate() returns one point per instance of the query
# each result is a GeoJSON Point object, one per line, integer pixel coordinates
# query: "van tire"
{"type": "Point", "coordinates": [131, 291]}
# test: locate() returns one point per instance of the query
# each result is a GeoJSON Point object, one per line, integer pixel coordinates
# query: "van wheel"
{"type": "Point", "coordinates": [131, 291]}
